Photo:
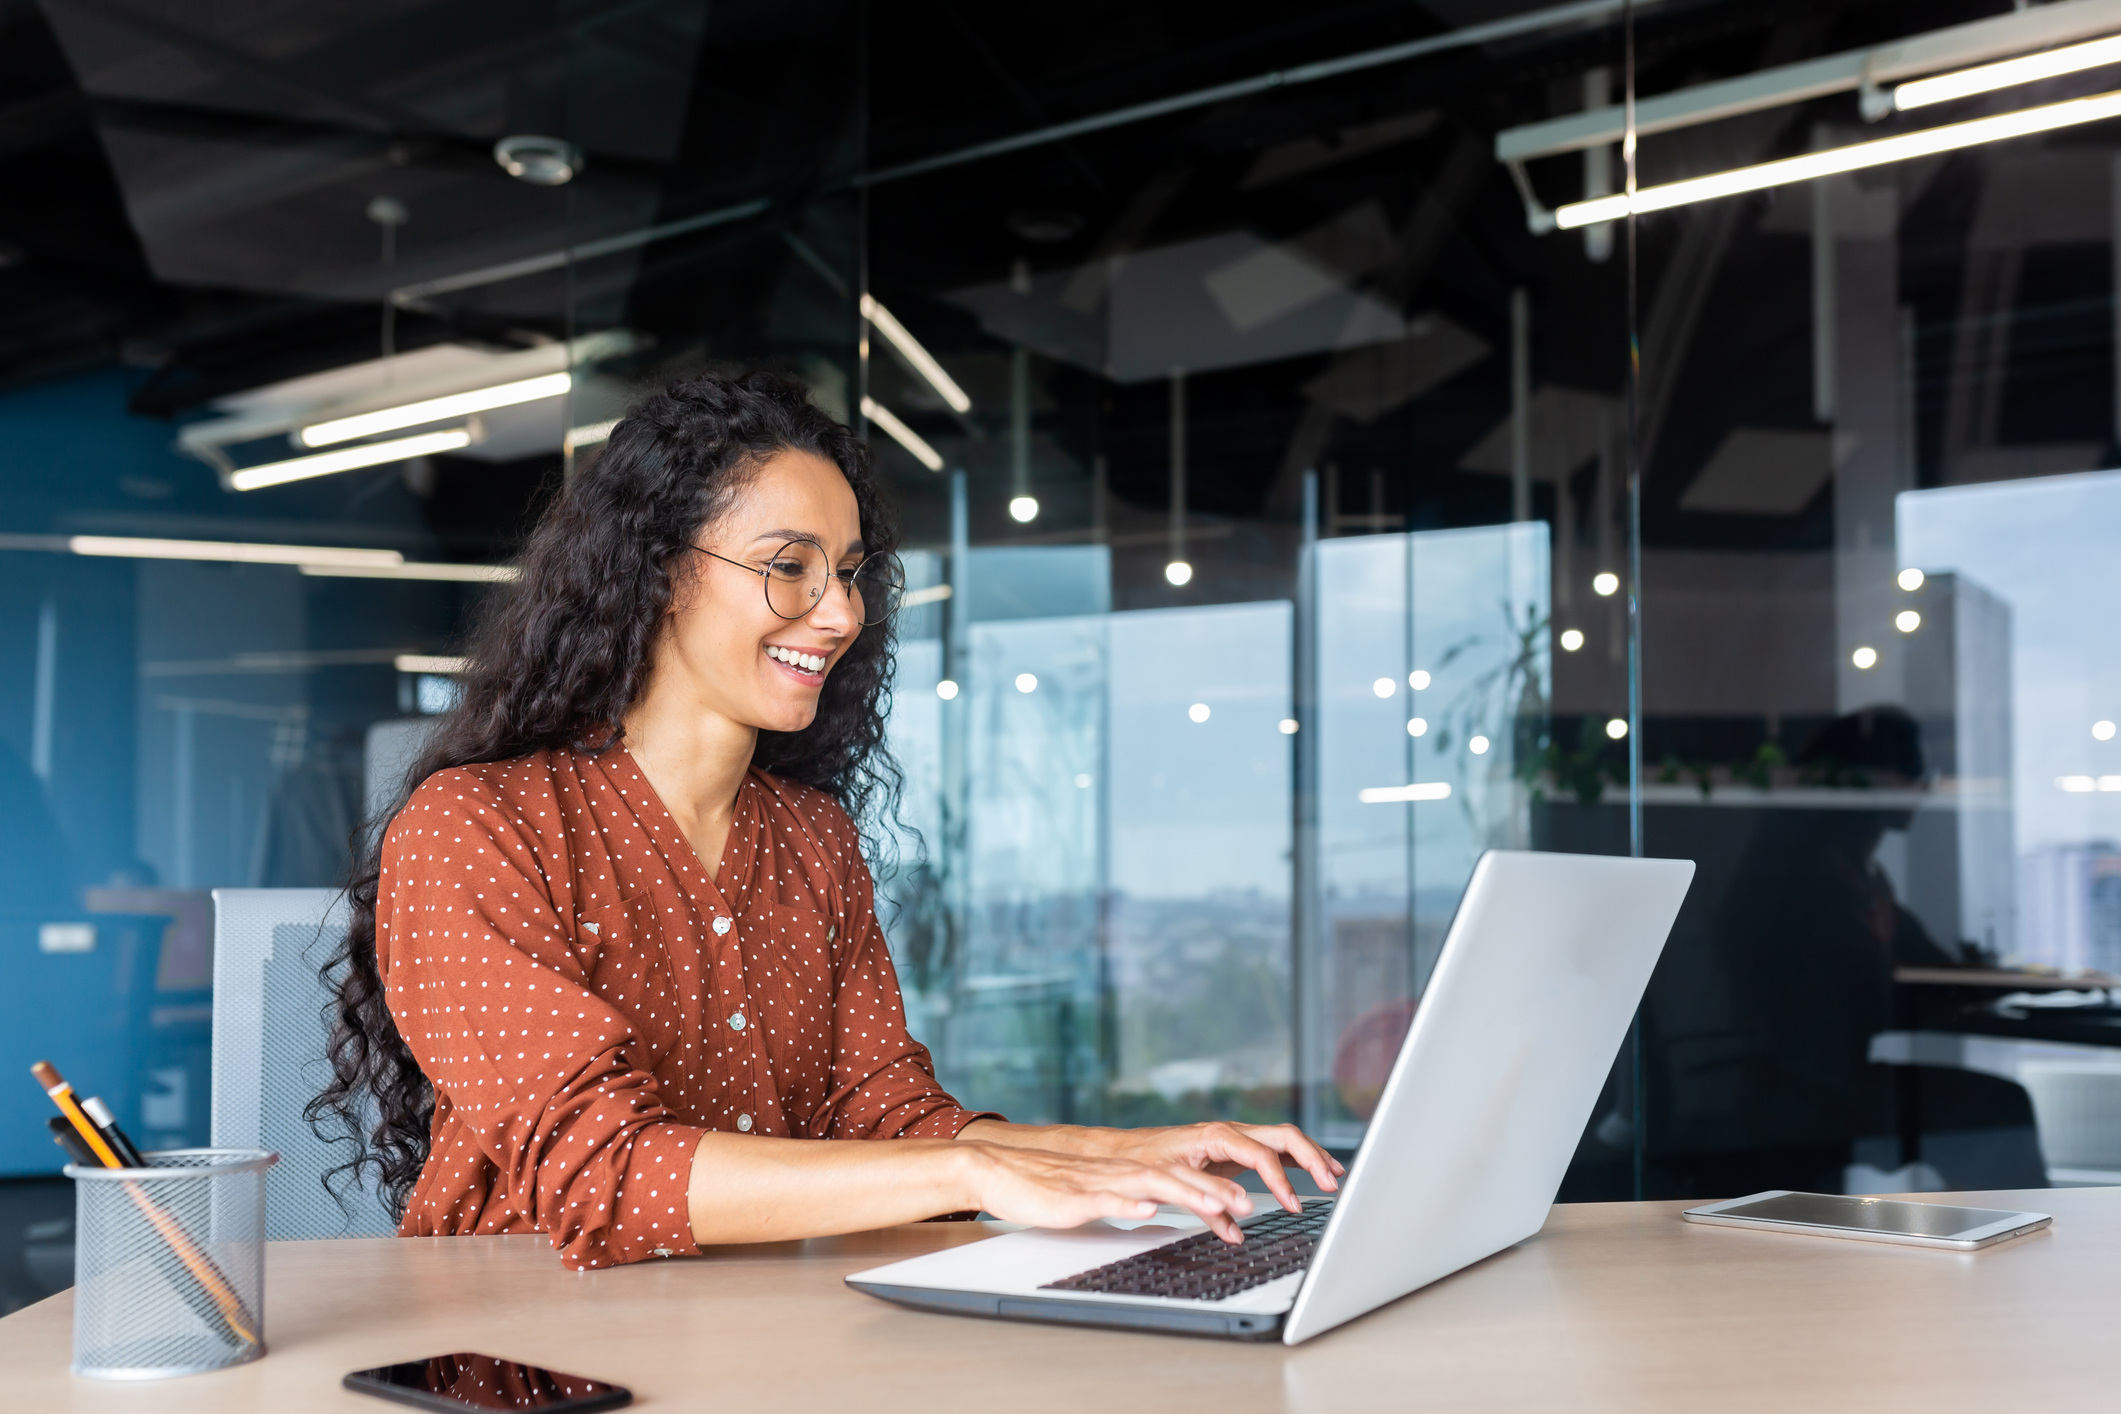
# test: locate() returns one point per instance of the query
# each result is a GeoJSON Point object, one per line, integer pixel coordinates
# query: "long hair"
{"type": "Point", "coordinates": [556, 663]}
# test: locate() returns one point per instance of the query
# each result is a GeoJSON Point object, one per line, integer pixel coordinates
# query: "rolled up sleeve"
{"type": "Point", "coordinates": [546, 1079]}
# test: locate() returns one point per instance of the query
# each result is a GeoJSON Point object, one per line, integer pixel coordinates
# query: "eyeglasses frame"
{"type": "Point", "coordinates": [845, 581]}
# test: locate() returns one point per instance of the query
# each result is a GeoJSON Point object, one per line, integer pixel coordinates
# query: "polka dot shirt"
{"type": "Point", "coordinates": [587, 1003]}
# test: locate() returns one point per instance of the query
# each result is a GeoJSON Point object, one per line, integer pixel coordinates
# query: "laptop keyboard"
{"type": "Point", "coordinates": [1203, 1267]}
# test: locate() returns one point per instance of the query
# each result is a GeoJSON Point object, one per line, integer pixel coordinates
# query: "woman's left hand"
{"type": "Point", "coordinates": [1228, 1149]}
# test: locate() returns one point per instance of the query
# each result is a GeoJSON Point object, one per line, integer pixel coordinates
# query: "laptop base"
{"type": "Point", "coordinates": [1111, 1315]}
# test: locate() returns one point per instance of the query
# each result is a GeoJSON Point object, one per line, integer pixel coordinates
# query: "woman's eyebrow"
{"type": "Point", "coordinates": [782, 537]}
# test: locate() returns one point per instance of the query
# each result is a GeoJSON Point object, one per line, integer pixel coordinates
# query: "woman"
{"type": "Point", "coordinates": [615, 973]}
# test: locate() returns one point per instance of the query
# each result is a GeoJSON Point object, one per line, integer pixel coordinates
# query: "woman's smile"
{"type": "Point", "coordinates": [805, 665]}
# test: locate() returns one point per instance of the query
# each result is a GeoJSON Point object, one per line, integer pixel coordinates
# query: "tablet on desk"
{"type": "Point", "coordinates": [1870, 1219]}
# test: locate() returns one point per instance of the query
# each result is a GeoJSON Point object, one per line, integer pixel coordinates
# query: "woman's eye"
{"type": "Point", "coordinates": [786, 569]}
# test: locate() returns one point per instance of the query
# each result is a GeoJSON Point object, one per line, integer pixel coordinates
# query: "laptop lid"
{"type": "Point", "coordinates": [1531, 997]}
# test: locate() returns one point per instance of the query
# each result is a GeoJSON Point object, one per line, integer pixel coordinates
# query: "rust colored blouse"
{"type": "Point", "coordinates": [587, 1003]}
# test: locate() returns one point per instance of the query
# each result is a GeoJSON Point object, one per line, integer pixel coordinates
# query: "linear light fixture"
{"type": "Point", "coordinates": [589, 434]}
{"type": "Point", "coordinates": [500, 395]}
{"type": "Point", "coordinates": [136, 548]}
{"type": "Point", "coordinates": [398, 449]}
{"type": "Point", "coordinates": [431, 663]}
{"type": "Point", "coordinates": [923, 362]}
{"type": "Point", "coordinates": [905, 436]}
{"type": "Point", "coordinates": [419, 569]}
{"type": "Point", "coordinates": [933, 594]}
{"type": "Point", "coordinates": [2029, 68]}
{"type": "Point", "coordinates": [1948, 138]}
{"type": "Point", "coordinates": [1420, 790]}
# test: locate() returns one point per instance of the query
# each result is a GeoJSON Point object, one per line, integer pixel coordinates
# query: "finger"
{"type": "Point", "coordinates": [1262, 1160]}
{"type": "Point", "coordinates": [1119, 1205]}
{"type": "Point", "coordinates": [1228, 1196]}
{"type": "Point", "coordinates": [1290, 1140]}
{"type": "Point", "coordinates": [1208, 1198]}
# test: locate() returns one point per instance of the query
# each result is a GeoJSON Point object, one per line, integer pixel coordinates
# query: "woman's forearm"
{"type": "Point", "coordinates": [746, 1188]}
{"type": "Point", "coordinates": [1054, 1138]}
{"type": "Point", "coordinates": [751, 1188]}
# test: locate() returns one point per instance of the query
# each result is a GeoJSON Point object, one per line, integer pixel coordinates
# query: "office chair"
{"type": "Point", "coordinates": [269, 1061]}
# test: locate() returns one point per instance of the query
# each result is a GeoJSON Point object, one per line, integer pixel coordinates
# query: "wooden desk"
{"type": "Point", "coordinates": [1616, 1306]}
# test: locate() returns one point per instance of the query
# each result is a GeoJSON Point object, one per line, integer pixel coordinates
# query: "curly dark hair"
{"type": "Point", "coordinates": [557, 662]}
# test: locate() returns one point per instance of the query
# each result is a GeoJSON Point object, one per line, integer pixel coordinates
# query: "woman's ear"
{"type": "Point", "coordinates": [684, 572]}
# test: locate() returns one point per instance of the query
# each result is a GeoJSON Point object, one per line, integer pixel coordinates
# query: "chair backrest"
{"type": "Point", "coordinates": [269, 1061]}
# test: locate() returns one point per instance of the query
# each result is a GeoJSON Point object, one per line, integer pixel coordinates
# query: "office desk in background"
{"type": "Point", "coordinates": [1616, 1306]}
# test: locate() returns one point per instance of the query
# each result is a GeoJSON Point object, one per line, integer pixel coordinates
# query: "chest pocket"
{"type": "Point", "coordinates": [628, 963]}
{"type": "Point", "coordinates": [798, 948]}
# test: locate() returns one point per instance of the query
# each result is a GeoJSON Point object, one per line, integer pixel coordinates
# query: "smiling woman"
{"type": "Point", "coordinates": [615, 973]}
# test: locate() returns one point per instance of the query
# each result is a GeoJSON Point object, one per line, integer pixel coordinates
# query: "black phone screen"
{"type": "Point", "coordinates": [467, 1381]}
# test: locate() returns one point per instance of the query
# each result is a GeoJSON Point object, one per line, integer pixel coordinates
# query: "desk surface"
{"type": "Point", "coordinates": [1615, 1306]}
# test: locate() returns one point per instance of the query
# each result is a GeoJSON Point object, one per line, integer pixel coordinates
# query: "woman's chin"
{"type": "Point", "coordinates": [787, 717]}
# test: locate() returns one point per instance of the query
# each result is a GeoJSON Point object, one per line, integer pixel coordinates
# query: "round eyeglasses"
{"type": "Point", "coordinates": [796, 576]}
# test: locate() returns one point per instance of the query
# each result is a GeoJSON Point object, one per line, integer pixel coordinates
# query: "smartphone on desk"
{"type": "Point", "coordinates": [469, 1381]}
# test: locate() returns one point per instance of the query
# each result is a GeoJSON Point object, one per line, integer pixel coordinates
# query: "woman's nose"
{"type": "Point", "coordinates": [834, 611]}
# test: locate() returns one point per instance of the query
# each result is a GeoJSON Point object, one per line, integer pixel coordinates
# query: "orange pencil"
{"type": "Point", "coordinates": [63, 1096]}
{"type": "Point", "coordinates": [202, 1267]}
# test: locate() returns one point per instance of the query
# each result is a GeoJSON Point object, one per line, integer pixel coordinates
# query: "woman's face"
{"type": "Point", "coordinates": [736, 655]}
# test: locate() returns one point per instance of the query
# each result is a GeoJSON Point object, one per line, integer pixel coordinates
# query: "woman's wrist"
{"type": "Point", "coordinates": [1086, 1140]}
{"type": "Point", "coordinates": [966, 1167]}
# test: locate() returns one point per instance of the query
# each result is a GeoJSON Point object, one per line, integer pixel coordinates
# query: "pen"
{"type": "Point", "coordinates": [107, 1125]}
{"type": "Point", "coordinates": [229, 1306]}
{"type": "Point", "coordinates": [64, 1136]}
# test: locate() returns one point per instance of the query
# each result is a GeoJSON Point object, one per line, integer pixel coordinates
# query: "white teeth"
{"type": "Point", "coordinates": [808, 662]}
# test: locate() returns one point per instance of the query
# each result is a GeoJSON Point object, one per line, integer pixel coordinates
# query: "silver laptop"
{"type": "Point", "coordinates": [1541, 971]}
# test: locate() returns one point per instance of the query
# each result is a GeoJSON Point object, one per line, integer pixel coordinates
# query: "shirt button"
{"type": "Point", "coordinates": [736, 1021]}
{"type": "Point", "coordinates": [743, 1123]}
{"type": "Point", "coordinates": [721, 926]}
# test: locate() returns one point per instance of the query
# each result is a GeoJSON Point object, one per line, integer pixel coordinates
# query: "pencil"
{"type": "Point", "coordinates": [239, 1321]}
{"type": "Point", "coordinates": [63, 1096]}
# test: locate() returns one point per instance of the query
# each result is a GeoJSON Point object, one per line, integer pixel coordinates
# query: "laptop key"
{"type": "Point", "coordinates": [1203, 1267]}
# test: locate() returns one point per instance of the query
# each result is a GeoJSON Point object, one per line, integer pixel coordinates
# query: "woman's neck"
{"type": "Point", "coordinates": [695, 759]}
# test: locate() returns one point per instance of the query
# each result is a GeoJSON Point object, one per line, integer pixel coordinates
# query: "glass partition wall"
{"type": "Point", "coordinates": [1282, 526]}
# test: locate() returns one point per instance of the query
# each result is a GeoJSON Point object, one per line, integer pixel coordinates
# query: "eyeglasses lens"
{"type": "Point", "coordinates": [795, 578]}
{"type": "Point", "coordinates": [798, 573]}
{"type": "Point", "coordinates": [878, 584]}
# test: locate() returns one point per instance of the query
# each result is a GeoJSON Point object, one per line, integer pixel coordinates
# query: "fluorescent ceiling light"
{"type": "Point", "coordinates": [905, 436]}
{"type": "Point", "coordinates": [1986, 78]}
{"type": "Point", "coordinates": [501, 395]}
{"type": "Point", "coordinates": [933, 594]}
{"type": "Point", "coordinates": [1949, 138]}
{"type": "Point", "coordinates": [589, 434]}
{"type": "Point", "coordinates": [1422, 790]}
{"type": "Point", "coordinates": [129, 547]}
{"type": "Point", "coordinates": [415, 569]}
{"type": "Point", "coordinates": [252, 478]}
{"type": "Point", "coordinates": [431, 663]}
{"type": "Point", "coordinates": [923, 362]}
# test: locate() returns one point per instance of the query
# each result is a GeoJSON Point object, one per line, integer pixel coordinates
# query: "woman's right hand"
{"type": "Point", "coordinates": [1047, 1189]}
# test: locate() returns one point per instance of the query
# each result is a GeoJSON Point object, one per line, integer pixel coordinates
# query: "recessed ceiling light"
{"type": "Point", "coordinates": [540, 161]}
{"type": "Point", "coordinates": [1044, 225]}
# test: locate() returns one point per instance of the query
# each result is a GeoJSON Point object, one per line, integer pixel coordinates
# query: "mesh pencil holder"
{"type": "Point", "coordinates": [169, 1264]}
